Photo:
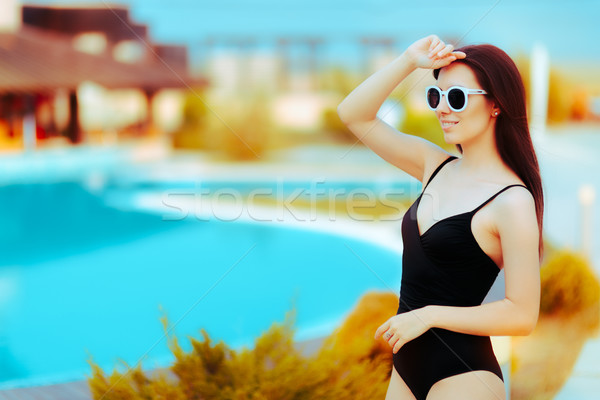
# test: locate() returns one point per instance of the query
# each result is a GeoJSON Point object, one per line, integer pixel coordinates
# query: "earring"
{"type": "Point", "coordinates": [495, 113]}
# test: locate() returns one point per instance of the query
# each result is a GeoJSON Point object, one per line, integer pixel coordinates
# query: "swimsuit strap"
{"type": "Point", "coordinates": [494, 196]}
{"type": "Point", "coordinates": [439, 168]}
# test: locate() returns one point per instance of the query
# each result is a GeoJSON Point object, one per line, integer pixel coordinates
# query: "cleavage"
{"type": "Point", "coordinates": [431, 208]}
{"type": "Point", "coordinates": [435, 220]}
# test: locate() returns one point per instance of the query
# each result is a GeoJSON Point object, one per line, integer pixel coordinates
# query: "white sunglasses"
{"type": "Point", "coordinates": [457, 97]}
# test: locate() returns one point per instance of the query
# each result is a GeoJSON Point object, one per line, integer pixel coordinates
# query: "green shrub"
{"type": "Point", "coordinates": [568, 284]}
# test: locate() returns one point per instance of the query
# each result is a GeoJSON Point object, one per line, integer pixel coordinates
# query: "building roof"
{"type": "Point", "coordinates": [113, 20]}
{"type": "Point", "coordinates": [37, 60]}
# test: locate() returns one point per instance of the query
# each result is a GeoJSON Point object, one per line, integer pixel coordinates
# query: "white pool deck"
{"type": "Point", "coordinates": [567, 163]}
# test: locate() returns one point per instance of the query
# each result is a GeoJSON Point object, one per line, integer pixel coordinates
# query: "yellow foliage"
{"type": "Point", "coordinates": [581, 103]}
{"type": "Point", "coordinates": [247, 136]}
{"type": "Point", "coordinates": [568, 284]}
{"type": "Point", "coordinates": [237, 128]}
{"type": "Point", "coordinates": [192, 132]}
{"type": "Point", "coordinates": [560, 97]}
{"type": "Point", "coordinates": [348, 366]}
{"type": "Point", "coordinates": [357, 331]}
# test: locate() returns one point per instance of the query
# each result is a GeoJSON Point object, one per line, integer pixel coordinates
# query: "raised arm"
{"type": "Point", "coordinates": [358, 111]}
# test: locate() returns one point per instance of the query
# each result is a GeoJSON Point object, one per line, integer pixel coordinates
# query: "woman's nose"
{"type": "Point", "coordinates": [443, 106]}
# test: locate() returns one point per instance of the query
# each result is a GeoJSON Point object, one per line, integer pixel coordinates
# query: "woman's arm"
{"type": "Point", "coordinates": [517, 313]}
{"type": "Point", "coordinates": [363, 103]}
{"type": "Point", "coordinates": [358, 111]}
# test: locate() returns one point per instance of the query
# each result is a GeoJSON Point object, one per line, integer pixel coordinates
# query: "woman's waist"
{"type": "Point", "coordinates": [409, 303]}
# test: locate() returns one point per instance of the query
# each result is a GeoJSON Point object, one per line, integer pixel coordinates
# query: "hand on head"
{"type": "Point", "coordinates": [431, 52]}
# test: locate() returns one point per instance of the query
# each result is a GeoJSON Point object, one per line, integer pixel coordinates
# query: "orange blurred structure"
{"type": "Point", "coordinates": [56, 49]}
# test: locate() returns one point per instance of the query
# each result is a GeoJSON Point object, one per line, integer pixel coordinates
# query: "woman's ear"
{"type": "Point", "coordinates": [495, 111]}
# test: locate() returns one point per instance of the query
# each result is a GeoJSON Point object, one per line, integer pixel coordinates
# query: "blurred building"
{"type": "Point", "coordinates": [82, 74]}
{"type": "Point", "coordinates": [292, 70]}
{"type": "Point", "coordinates": [269, 64]}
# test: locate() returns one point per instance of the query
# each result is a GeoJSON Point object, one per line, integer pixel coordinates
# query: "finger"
{"type": "Point", "coordinates": [388, 335]}
{"type": "Point", "coordinates": [437, 48]}
{"type": "Point", "coordinates": [459, 54]}
{"type": "Point", "coordinates": [397, 346]}
{"type": "Point", "coordinates": [446, 50]}
{"type": "Point", "coordinates": [434, 42]}
{"type": "Point", "coordinates": [392, 341]}
{"type": "Point", "coordinates": [444, 62]}
{"type": "Point", "coordinates": [384, 327]}
{"type": "Point", "coordinates": [388, 339]}
{"type": "Point", "coordinates": [448, 58]}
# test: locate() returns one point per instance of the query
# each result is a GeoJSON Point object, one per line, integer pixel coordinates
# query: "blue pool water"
{"type": "Point", "coordinates": [79, 278]}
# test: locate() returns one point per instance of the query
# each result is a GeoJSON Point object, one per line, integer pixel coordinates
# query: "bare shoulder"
{"type": "Point", "coordinates": [516, 198]}
{"type": "Point", "coordinates": [515, 211]}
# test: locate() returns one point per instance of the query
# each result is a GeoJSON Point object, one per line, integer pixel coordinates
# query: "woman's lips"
{"type": "Point", "coordinates": [448, 124]}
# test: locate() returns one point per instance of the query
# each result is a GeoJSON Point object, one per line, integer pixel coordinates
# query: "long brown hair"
{"type": "Point", "coordinates": [498, 75]}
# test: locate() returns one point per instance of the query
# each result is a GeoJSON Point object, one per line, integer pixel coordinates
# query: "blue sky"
{"type": "Point", "coordinates": [570, 30]}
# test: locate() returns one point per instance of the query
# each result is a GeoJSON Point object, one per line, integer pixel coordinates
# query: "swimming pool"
{"type": "Point", "coordinates": [81, 278]}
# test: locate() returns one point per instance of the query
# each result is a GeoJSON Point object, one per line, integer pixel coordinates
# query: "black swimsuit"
{"type": "Point", "coordinates": [443, 266]}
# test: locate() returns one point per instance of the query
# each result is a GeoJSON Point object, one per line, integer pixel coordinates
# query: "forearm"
{"type": "Point", "coordinates": [363, 103]}
{"type": "Point", "coordinates": [499, 318]}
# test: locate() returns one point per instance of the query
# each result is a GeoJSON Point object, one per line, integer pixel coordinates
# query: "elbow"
{"type": "Point", "coordinates": [523, 318]}
{"type": "Point", "coordinates": [524, 329]}
{"type": "Point", "coordinates": [343, 114]}
{"type": "Point", "coordinates": [348, 116]}
{"type": "Point", "coordinates": [526, 325]}
{"type": "Point", "coordinates": [532, 324]}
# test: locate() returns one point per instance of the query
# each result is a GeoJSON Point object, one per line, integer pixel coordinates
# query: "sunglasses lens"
{"type": "Point", "coordinates": [456, 99]}
{"type": "Point", "coordinates": [433, 98]}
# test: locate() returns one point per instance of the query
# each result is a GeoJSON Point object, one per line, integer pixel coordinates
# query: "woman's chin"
{"type": "Point", "coordinates": [450, 139]}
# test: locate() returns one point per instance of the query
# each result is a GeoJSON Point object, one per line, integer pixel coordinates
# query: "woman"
{"type": "Point", "coordinates": [482, 212]}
